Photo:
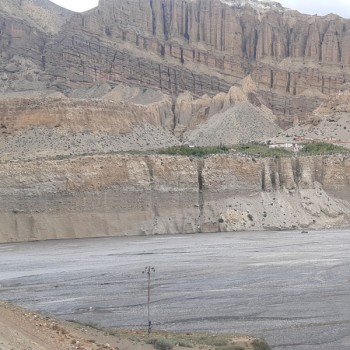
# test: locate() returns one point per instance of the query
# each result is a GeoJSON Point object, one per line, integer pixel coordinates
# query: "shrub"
{"type": "Point", "coordinates": [184, 344]}
{"type": "Point", "coordinates": [254, 149]}
{"type": "Point", "coordinates": [213, 341]}
{"type": "Point", "coordinates": [160, 343]}
{"type": "Point", "coordinates": [194, 151]}
{"type": "Point", "coordinates": [259, 344]}
{"type": "Point", "coordinates": [320, 148]}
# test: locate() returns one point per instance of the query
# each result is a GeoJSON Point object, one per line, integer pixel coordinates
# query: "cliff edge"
{"type": "Point", "coordinates": [111, 195]}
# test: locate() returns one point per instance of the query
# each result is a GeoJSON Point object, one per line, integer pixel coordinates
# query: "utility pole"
{"type": "Point", "coordinates": [148, 270]}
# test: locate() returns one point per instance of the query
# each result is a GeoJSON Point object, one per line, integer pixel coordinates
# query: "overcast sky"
{"type": "Point", "coordinates": [320, 7]}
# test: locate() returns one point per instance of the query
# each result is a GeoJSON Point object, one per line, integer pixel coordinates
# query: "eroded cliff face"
{"type": "Point", "coordinates": [130, 194]}
{"type": "Point", "coordinates": [37, 127]}
{"type": "Point", "coordinates": [65, 117]}
{"type": "Point", "coordinates": [124, 119]}
{"type": "Point", "coordinates": [26, 26]}
{"type": "Point", "coordinates": [203, 46]}
{"type": "Point", "coordinates": [206, 46]}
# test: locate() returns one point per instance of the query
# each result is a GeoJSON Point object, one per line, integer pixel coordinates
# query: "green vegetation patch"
{"type": "Point", "coordinates": [206, 341]}
{"type": "Point", "coordinates": [260, 344]}
{"type": "Point", "coordinates": [322, 148]}
{"type": "Point", "coordinates": [194, 151]}
{"type": "Point", "coordinates": [160, 343]}
{"type": "Point", "coordinates": [260, 150]}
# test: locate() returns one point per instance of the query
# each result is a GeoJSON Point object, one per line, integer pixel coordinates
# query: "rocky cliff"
{"type": "Point", "coordinates": [159, 42]}
{"type": "Point", "coordinates": [125, 119]}
{"type": "Point", "coordinates": [136, 194]}
{"type": "Point", "coordinates": [204, 46]}
{"type": "Point", "coordinates": [77, 90]}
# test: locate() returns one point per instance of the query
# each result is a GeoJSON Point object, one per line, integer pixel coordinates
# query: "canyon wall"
{"type": "Point", "coordinates": [26, 26]}
{"type": "Point", "coordinates": [47, 127]}
{"type": "Point", "coordinates": [125, 119]}
{"type": "Point", "coordinates": [113, 195]}
{"type": "Point", "coordinates": [206, 46]}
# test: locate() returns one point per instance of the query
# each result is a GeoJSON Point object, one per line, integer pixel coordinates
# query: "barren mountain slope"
{"type": "Point", "coordinates": [103, 120]}
{"type": "Point", "coordinates": [41, 14]}
{"type": "Point", "coordinates": [54, 126]}
{"type": "Point", "coordinates": [328, 123]}
{"type": "Point", "coordinates": [242, 123]}
{"type": "Point", "coordinates": [201, 46]}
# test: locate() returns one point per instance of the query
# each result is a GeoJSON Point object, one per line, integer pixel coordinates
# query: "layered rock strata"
{"type": "Point", "coordinates": [123, 119]}
{"type": "Point", "coordinates": [132, 195]}
{"type": "Point", "coordinates": [203, 46]}
{"type": "Point", "coordinates": [33, 128]}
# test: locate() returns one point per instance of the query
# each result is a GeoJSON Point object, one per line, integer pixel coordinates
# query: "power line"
{"type": "Point", "coordinates": [148, 270]}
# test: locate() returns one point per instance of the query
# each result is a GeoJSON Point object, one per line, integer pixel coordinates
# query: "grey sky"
{"type": "Point", "coordinates": [76, 5]}
{"type": "Point", "coordinates": [320, 7]}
